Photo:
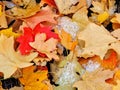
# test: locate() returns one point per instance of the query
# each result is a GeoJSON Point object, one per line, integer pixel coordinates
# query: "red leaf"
{"type": "Point", "coordinates": [47, 30]}
{"type": "Point", "coordinates": [24, 40]}
{"type": "Point", "coordinates": [50, 2]}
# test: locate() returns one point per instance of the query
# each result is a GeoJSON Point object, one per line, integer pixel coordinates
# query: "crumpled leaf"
{"type": "Point", "coordinates": [8, 32]}
{"type": "Point", "coordinates": [116, 21]}
{"type": "Point", "coordinates": [117, 87]}
{"type": "Point", "coordinates": [111, 61]}
{"type": "Point", "coordinates": [34, 80]}
{"type": "Point", "coordinates": [29, 8]}
{"type": "Point", "coordinates": [95, 80]}
{"type": "Point", "coordinates": [10, 60]}
{"type": "Point", "coordinates": [24, 40]}
{"type": "Point", "coordinates": [97, 42]}
{"type": "Point", "coordinates": [41, 17]}
{"type": "Point", "coordinates": [44, 46]}
{"type": "Point", "coordinates": [69, 6]}
{"type": "Point", "coordinates": [66, 40]}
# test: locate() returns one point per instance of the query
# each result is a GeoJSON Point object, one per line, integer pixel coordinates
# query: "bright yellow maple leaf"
{"type": "Point", "coordinates": [34, 80]}
{"type": "Point", "coordinates": [44, 46]}
{"type": "Point", "coordinates": [10, 60]}
{"type": "Point", "coordinates": [95, 80]}
{"type": "Point", "coordinates": [8, 32]}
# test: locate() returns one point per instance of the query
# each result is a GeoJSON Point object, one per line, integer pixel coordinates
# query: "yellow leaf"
{"type": "Point", "coordinates": [95, 80]}
{"type": "Point", "coordinates": [102, 17]}
{"type": "Point", "coordinates": [66, 40]}
{"type": "Point", "coordinates": [0, 10]}
{"type": "Point", "coordinates": [34, 80]}
{"type": "Point", "coordinates": [10, 60]}
{"type": "Point", "coordinates": [68, 6]}
{"type": "Point", "coordinates": [116, 87]}
{"type": "Point", "coordinates": [8, 32]}
{"type": "Point", "coordinates": [97, 41]}
{"type": "Point", "coordinates": [117, 75]}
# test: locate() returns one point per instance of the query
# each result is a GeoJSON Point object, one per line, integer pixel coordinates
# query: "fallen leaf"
{"type": "Point", "coordinates": [29, 8]}
{"type": "Point", "coordinates": [10, 60]}
{"type": "Point", "coordinates": [66, 40]}
{"type": "Point", "coordinates": [8, 32]}
{"type": "Point", "coordinates": [34, 80]}
{"type": "Point", "coordinates": [47, 30]}
{"type": "Point", "coordinates": [97, 42]}
{"type": "Point", "coordinates": [94, 80]}
{"type": "Point", "coordinates": [24, 40]}
{"type": "Point", "coordinates": [41, 17]}
{"type": "Point", "coordinates": [69, 6]}
{"type": "Point", "coordinates": [44, 46]}
{"type": "Point", "coordinates": [117, 75]}
{"type": "Point", "coordinates": [111, 61]}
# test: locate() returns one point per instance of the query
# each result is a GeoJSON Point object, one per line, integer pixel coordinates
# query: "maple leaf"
{"type": "Point", "coordinates": [66, 40]}
{"type": "Point", "coordinates": [111, 61]}
{"type": "Point", "coordinates": [47, 30]}
{"type": "Point", "coordinates": [95, 80]}
{"type": "Point", "coordinates": [44, 46]}
{"type": "Point", "coordinates": [69, 6]}
{"type": "Point", "coordinates": [41, 17]}
{"type": "Point", "coordinates": [97, 42]}
{"type": "Point", "coordinates": [8, 32]}
{"type": "Point", "coordinates": [24, 40]}
{"type": "Point", "coordinates": [10, 60]}
{"type": "Point", "coordinates": [34, 80]}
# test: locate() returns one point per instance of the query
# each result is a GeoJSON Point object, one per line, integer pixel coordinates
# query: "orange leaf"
{"type": "Point", "coordinates": [66, 40]}
{"type": "Point", "coordinates": [111, 61]}
{"type": "Point", "coordinates": [34, 80]}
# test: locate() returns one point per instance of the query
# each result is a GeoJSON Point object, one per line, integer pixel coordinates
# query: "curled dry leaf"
{"type": "Point", "coordinates": [10, 60]}
{"type": "Point", "coordinates": [95, 80]}
{"type": "Point", "coordinates": [69, 6]}
{"type": "Point", "coordinates": [97, 42]}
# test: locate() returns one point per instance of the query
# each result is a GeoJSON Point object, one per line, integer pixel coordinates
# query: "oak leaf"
{"type": "Point", "coordinates": [44, 46]}
{"type": "Point", "coordinates": [34, 80]}
{"type": "Point", "coordinates": [95, 80]}
{"type": "Point", "coordinates": [10, 60]}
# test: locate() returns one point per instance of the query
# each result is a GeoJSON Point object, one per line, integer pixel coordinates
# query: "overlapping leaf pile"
{"type": "Point", "coordinates": [59, 45]}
